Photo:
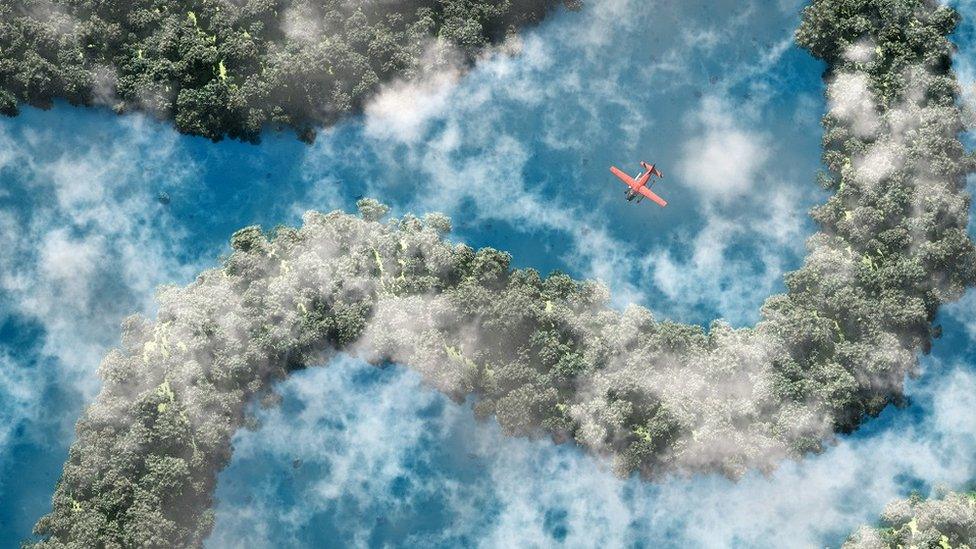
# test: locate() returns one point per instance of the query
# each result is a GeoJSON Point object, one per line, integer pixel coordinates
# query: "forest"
{"type": "Point", "coordinates": [948, 520]}
{"type": "Point", "coordinates": [223, 68]}
{"type": "Point", "coordinates": [549, 355]}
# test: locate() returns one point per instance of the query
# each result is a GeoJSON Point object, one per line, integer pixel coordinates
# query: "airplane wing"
{"type": "Point", "coordinates": [647, 192]}
{"type": "Point", "coordinates": [624, 177]}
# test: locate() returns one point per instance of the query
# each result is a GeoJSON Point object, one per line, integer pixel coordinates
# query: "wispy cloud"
{"type": "Point", "coordinates": [376, 450]}
{"type": "Point", "coordinates": [725, 159]}
{"type": "Point", "coordinates": [460, 140]}
{"type": "Point", "coordinates": [84, 243]}
{"type": "Point", "coordinates": [535, 488]}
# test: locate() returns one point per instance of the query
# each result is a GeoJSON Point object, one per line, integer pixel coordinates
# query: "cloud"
{"type": "Point", "coordinates": [861, 52]}
{"type": "Point", "coordinates": [964, 312]}
{"type": "Point", "coordinates": [712, 274]}
{"type": "Point", "coordinates": [84, 244]}
{"type": "Point", "coordinates": [851, 101]}
{"type": "Point", "coordinates": [402, 110]}
{"type": "Point", "coordinates": [881, 161]}
{"type": "Point", "coordinates": [70, 263]}
{"type": "Point", "coordinates": [724, 161]}
{"type": "Point", "coordinates": [519, 201]}
{"type": "Point", "coordinates": [395, 112]}
{"type": "Point", "coordinates": [462, 147]}
{"type": "Point", "coordinates": [18, 392]}
{"type": "Point", "coordinates": [303, 23]}
{"type": "Point", "coordinates": [355, 452]}
{"type": "Point", "coordinates": [392, 433]}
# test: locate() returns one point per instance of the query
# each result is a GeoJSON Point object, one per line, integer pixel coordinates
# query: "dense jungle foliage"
{"type": "Point", "coordinates": [945, 522]}
{"type": "Point", "coordinates": [548, 356]}
{"type": "Point", "coordinates": [230, 68]}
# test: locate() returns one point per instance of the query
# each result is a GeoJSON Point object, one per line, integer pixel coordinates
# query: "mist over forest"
{"type": "Point", "coordinates": [545, 356]}
{"type": "Point", "coordinates": [225, 68]}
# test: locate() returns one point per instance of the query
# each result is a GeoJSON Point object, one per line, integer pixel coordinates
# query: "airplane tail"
{"type": "Point", "coordinates": [652, 169]}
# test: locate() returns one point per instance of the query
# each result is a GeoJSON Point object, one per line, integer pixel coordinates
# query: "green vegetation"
{"type": "Point", "coordinates": [549, 356]}
{"type": "Point", "coordinates": [231, 68]}
{"type": "Point", "coordinates": [947, 522]}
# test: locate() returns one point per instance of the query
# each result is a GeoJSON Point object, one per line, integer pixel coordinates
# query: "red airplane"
{"type": "Point", "coordinates": [639, 183]}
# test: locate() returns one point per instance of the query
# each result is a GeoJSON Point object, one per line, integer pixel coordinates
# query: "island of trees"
{"type": "Point", "coordinates": [228, 68]}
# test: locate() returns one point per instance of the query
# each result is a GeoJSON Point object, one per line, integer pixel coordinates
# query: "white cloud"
{"type": "Point", "coordinates": [964, 312]}
{"type": "Point", "coordinates": [882, 159]}
{"type": "Point", "coordinates": [464, 145]}
{"type": "Point", "coordinates": [861, 52]}
{"type": "Point", "coordinates": [363, 437]}
{"type": "Point", "coordinates": [851, 101]}
{"type": "Point", "coordinates": [401, 110]}
{"type": "Point", "coordinates": [725, 159]}
{"type": "Point", "coordinates": [70, 263]}
{"type": "Point", "coordinates": [368, 440]}
{"type": "Point", "coordinates": [89, 251]}
{"type": "Point", "coordinates": [710, 273]}
{"type": "Point", "coordinates": [18, 393]}
{"type": "Point", "coordinates": [395, 112]}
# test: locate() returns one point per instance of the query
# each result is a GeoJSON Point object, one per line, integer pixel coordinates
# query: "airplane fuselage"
{"type": "Point", "coordinates": [631, 193]}
{"type": "Point", "coordinates": [639, 185]}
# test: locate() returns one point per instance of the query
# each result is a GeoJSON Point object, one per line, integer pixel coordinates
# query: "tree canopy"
{"type": "Point", "coordinates": [231, 68]}
{"type": "Point", "coordinates": [947, 521]}
{"type": "Point", "coordinates": [548, 356]}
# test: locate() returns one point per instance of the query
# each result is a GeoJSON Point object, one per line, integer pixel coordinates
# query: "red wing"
{"type": "Point", "coordinates": [647, 192]}
{"type": "Point", "coordinates": [624, 177]}
{"type": "Point", "coordinates": [644, 179]}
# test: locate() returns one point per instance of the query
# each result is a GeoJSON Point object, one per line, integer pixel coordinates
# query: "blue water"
{"type": "Point", "coordinates": [517, 153]}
